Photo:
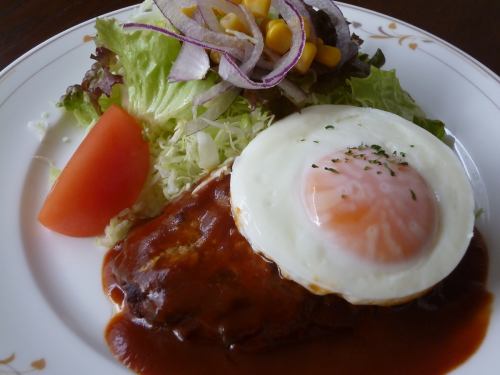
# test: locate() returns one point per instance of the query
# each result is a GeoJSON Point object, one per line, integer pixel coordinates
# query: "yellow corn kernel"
{"type": "Point", "coordinates": [263, 25]}
{"type": "Point", "coordinates": [259, 8]}
{"type": "Point", "coordinates": [306, 58]}
{"type": "Point", "coordinates": [231, 22]}
{"type": "Point", "coordinates": [266, 24]}
{"type": "Point", "coordinates": [218, 13]}
{"type": "Point", "coordinates": [189, 11]}
{"type": "Point", "coordinates": [328, 55]}
{"type": "Point", "coordinates": [307, 28]}
{"type": "Point", "coordinates": [273, 22]}
{"type": "Point", "coordinates": [215, 56]}
{"type": "Point", "coordinates": [278, 36]}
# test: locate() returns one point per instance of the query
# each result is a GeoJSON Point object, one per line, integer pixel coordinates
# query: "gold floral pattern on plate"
{"type": "Point", "coordinates": [403, 39]}
{"type": "Point", "coordinates": [7, 367]}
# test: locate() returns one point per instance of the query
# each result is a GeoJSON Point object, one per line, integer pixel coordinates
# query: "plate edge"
{"type": "Point", "coordinates": [462, 54]}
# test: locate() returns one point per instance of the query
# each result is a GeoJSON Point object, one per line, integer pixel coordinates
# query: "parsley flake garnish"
{"type": "Point", "coordinates": [390, 170]}
{"type": "Point", "coordinates": [367, 168]}
{"type": "Point", "coordinates": [382, 153]}
{"type": "Point", "coordinates": [329, 127]}
{"type": "Point", "coordinates": [314, 166]}
{"type": "Point", "coordinates": [316, 141]}
{"type": "Point", "coordinates": [333, 170]}
{"type": "Point", "coordinates": [335, 160]}
{"type": "Point", "coordinates": [413, 195]}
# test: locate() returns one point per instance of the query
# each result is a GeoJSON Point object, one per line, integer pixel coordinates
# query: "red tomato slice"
{"type": "Point", "coordinates": [104, 176]}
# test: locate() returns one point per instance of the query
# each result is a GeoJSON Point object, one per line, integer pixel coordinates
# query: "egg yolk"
{"type": "Point", "coordinates": [373, 204]}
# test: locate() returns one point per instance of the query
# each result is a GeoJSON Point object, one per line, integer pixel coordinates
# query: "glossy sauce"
{"type": "Point", "coordinates": [195, 299]}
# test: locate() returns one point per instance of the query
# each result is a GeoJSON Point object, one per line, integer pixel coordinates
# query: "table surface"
{"type": "Point", "coordinates": [471, 25]}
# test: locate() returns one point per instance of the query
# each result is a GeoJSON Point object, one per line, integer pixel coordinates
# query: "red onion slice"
{"type": "Point", "coordinates": [172, 10]}
{"type": "Point", "coordinates": [198, 17]}
{"type": "Point", "coordinates": [265, 64]}
{"type": "Point", "coordinates": [292, 92]}
{"type": "Point", "coordinates": [230, 71]}
{"type": "Point", "coordinates": [182, 38]}
{"type": "Point", "coordinates": [207, 6]}
{"type": "Point", "coordinates": [347, 47]}
{"type": "Point", "coordinates": [225, 6]}
{"type": "Point", "coordinates": [299, 5]}
{"type": "Point", "coordinates": [211, 93]}
{"type": "Point", "coordinates": [192, 63]}
{"type": "Point", "coordinates": [252, 56]}
{"type": "Point", "coordinates": [209, 17]}
{"type": "Point", "coordinates": [255, 54]}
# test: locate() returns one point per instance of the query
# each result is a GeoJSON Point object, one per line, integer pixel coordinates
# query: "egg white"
{"type": "Point", "coordinates": [268, 209]}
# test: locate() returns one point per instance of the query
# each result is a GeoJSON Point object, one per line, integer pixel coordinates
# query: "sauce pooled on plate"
{"type": "Point", "coordinates": [196, 299]}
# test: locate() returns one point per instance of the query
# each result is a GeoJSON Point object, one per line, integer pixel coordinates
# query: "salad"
{"type": "Point", "coordinates": [186, 85]}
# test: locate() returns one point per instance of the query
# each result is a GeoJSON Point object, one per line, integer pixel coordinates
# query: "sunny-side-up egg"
{"type": "Point", "coordinates": [354, 201]}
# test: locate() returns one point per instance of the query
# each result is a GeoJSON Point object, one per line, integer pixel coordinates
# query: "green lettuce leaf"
{"type": "Point", "coordinates": [436, 127]}
{"type": "Point", "coordinates": [145, 59]}
{"type": "Point", "coordinates": [381, 89]}
{"type": "Point", "coordinates": [78, 102]}
{"type": "Point", "coordinates": [99, 89]}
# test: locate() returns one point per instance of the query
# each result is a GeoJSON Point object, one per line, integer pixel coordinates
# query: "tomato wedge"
{"type": "Point", "coordinates": [104, 176]}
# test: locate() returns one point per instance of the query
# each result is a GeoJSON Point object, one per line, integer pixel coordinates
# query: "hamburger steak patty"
{"type": "Point", "coordinates": [190, 272]}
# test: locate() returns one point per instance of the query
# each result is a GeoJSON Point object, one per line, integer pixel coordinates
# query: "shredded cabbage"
{"type": "Point", "coordinates": [183, 157]}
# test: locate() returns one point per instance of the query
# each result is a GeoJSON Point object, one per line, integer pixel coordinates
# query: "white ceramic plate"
{"type": "Point", "coordinates": [52, 309]}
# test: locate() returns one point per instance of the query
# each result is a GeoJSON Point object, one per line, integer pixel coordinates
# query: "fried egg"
{"type": "Point", "coordinates": [354, 201]}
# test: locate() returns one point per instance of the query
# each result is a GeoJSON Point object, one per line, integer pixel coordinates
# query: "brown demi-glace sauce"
{"type": "Point", "coordinates": [196, 299]}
